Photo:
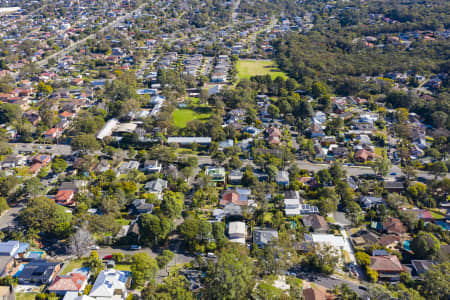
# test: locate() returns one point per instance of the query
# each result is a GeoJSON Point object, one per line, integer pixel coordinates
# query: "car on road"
{"type": "Point", "coordinates": [362, 287]}
{"type": "Point", "coordinates": [107, 257]}
{"type": "Point", "coordinates": [95, 247]}
{"type": "Point", "coordinates": [135, 247]}
{"type": "Point", "coordinates": [393, 174]}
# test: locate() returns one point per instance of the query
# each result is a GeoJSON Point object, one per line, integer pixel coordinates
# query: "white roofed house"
{"type": "Point", "coordinates": [110, 284]}
{"type": "Point", "coordinates": [152, 166]}
{"type": "Point", "coordinates": [282, 178]}
{"type": "Point", "coordinates": [291, 203]}
{"type": "Point", "coordinates": [237, 232]}
{"type": "Point", "coordinates": [107, 129]}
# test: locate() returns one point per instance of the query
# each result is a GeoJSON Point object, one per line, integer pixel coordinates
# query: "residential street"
{"type": "Point", "coordinates": [7, 219]}
{"type": "Point", "coordinates": [331, 282]}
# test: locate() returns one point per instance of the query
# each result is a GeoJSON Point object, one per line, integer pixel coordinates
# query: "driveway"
{"type": "Point", "coordinates": [331, 282]}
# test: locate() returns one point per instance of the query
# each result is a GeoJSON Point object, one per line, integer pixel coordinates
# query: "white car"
{"type": "Point", "coordinates": [95, 247]}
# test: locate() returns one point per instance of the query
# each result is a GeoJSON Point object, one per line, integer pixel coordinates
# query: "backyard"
{"type": "Point", "coordinates": [182, 116]}
{"type": "Point", "coordinates": [247, 68]}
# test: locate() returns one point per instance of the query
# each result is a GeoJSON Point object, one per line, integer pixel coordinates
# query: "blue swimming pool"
{"type": "Point", "coordinates": [19, 270]}
{"type": "Point", "coordinates": [35, 254]}
{"type": "Point", "coordinates": [407, 245]}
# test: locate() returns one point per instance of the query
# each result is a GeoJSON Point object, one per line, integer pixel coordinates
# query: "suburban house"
{"type": "Point", "coordinates": [237, 232]}
{"type": "Point", "coordinates": [314, 293]}
{"type": "Point", "coordinates": [127, 166]}
{"type": "Point", "coordinates": [139, 206]}
{"type": "Point", "coordinates": [316, 222]}
{"type": "Point", "coordinates": [74, 282]}
{"type": "Point", "coordinates": [262, 237]}
{"type": "Point", "coordinates": [282, 178]}
{"type": "Point", "coordinates": [364, 155]}
{"type": "Point", "coordinates": [421, 266]}
{"type": "Point", "coordinates": [306, 209]}
{"type": "Point", "coordinates": [75, 296]}
{"type": "Point", "coordinates": [238, 197]}
{"type": "Point", "coordinates": [388, 267]}
{"type": "Point", "coordinates": [337, 242]}
{"type": "Point", "coordinates": [235, 177]}
{"type": "Point", "coordinates": [13, 161]}
{"type": "Point", "coordinates": [110, 284]}
{"type": "Point", "coordinates": [394, 186]}
{"type": "Point", "coordinates": [156, 187]}
{"type": "Point", "coordinates": [273, 135]}
{"type": "Point", "coordinates": [389, 240]}
{"type": "Point", "coordinates": [38, 272]}
{"type": "Point", "coordinates": [152, 166]}
{"type": "Point", "coordinates": [52, 133]}
{"type": "Point", "coordinates": [292, 203]}
{"type": "Point", "coordinates": [394, 225]}
{"type": "Point", "coordinates": [66, 193]}
{"type": "Point", "coordinates": [9, 251]}
{"type": "Point", "coordinates": [364, 238]}
{"type": "Point", "coordinates": [368, 202]}
{"type": "Point", "coordinates": [230, 209]}
{"type": "Point", "coordinates": [38, 162]}
{"type": "Point", "coordinates": [217, 174]}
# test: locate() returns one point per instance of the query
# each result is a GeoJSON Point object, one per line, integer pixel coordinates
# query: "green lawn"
{"type": "Point", "coordinates": [182, 116]}
{"type": "Point", "coordinates": [72, 265]}
{"type": "Point", "coordinates": [123, 222]}
{"type": "Point", "coordinates": [123, 267]}
{"type": "Point", "coordinates": [25, 296]}
{"type": "Point", "coordinates": [247, 68]}
{"type": "Point", "coordinates": [437, 215]}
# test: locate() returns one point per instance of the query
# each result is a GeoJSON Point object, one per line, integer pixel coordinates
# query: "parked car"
{"type": "Point", "coordinates": [135, 247]}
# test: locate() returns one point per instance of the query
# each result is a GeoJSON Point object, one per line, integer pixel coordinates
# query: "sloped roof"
{"type": "Point", "coordinates": [107, 282]}
{"type": "Point", "coordinates": [394, 225]}
{"type": "Point", "coordinates": [232, 197]}
{"type": "Point", "coordinates": [72, 282]}
{"type": "Point", "coordinates": [64, 195]}
{"type": "Point", "coordinates": [314, 294]}
{"type": "Point", "coordinates": [315, 221]}
{"type": "Point", "coordinates": [387, 263]}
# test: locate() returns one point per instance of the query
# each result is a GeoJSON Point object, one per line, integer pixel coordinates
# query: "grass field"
{"type": "Point", "coordinates": [182, 116]}
{"type": "Point", "coordinates": [247, 68]}
{"type": "Point", "coordinates": [25, 296]}
{"type": "Point", "coordinates": [72, 265]}
{"type": "Point", "coordinates": [123, 267]}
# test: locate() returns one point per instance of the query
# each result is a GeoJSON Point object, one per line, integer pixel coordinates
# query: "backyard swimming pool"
{"type": "Point", "coordinates": [19, 270]}
{"type": "Point", "coordinates": [35, 255]}
{"type": "Point", "coordinates": [407, 245]}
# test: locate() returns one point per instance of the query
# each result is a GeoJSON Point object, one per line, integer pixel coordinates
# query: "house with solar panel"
{"type": "Point", "coordinates": [110, 284]}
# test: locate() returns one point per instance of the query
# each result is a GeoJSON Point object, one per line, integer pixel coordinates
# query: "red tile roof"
{"type": "Point", "coordinates": [314, 294]}
{"type": "Point", "coordinates": [231, 197]}
{"type": "Point", "coordinates": [64, 195]}
{"type": "Point", "coordinates": [73, 282]}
